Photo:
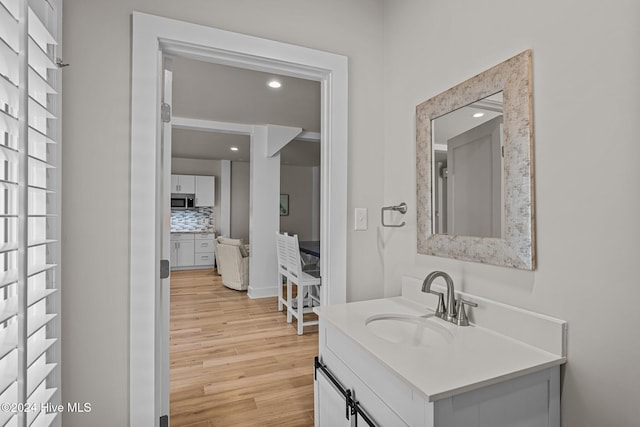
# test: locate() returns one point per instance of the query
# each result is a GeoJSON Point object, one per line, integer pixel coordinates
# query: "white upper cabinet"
{"type": "Point", "coordinates": [205, 191]}
{"type": "Point", "coordinates": [183, 184]}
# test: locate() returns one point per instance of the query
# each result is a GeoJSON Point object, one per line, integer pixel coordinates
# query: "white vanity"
{"type": "Point", "coordinates": [390, 362]}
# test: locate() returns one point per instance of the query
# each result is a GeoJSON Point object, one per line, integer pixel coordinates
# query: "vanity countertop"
{"type": "Point", "coordinates": [193, 231]}
{"type": "Point", "coordinates": [472, 356]}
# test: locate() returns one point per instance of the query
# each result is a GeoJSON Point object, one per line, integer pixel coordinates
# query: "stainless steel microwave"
{"type": "Point", "coordinates": [182, 201]}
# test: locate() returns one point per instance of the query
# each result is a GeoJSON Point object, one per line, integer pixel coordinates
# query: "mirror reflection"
{"type": "Point", "coordinates": [468, 171]}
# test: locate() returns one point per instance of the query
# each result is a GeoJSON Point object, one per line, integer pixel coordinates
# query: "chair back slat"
{"type": "Point", "coordinates": [281, 250]}
{"type": "Point", "coordinates": [294, 264]}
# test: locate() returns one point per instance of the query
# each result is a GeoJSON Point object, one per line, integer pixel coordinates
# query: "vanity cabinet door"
{"type": "Point", "coordinates": [388, 400]}
{"type": "Point", "coordinates": [330, 404]}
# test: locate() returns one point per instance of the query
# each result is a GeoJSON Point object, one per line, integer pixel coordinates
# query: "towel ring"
{"type": "Point", "coordinates": [402, 208]}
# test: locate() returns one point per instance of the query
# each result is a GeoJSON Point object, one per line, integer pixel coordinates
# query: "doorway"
{"type": "Point", "coordinates": [153, 36]}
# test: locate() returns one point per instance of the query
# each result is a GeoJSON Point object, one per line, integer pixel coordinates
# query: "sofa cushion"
{"type": "Point", "coordinates": [234, 242]}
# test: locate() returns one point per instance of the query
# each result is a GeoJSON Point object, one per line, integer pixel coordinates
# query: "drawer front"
{"type": "Point", "coordinates": [181, 237]}
{"type": "Point", "coordinates": [205, 236]}
{"type": "Point", "coordinates": [204, 259]}
{"type": "Point", "coordinates": [204, 246]}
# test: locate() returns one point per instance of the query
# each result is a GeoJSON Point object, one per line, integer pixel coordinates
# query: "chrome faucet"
{"type": "Point", "coordinates": [448, 311]}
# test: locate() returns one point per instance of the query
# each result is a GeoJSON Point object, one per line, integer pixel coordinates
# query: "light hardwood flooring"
{"type": "Point", "coordinates": [235, 361]}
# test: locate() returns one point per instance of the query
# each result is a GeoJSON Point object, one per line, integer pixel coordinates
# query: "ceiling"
{"type": "Point", "coordinates": [218, 92]}
{"type": "Point", "coordinates": [461, 120]}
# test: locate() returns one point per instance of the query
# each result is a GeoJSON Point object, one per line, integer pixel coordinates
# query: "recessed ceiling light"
{"type": "Point", "coordinates": [476, 115]}
{"type": "Point", "coordinates": [275, 84]}
{"type": "Point", "coordinates": [234, 148]}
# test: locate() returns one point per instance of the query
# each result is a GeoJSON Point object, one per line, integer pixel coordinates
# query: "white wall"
{"type": "Point", "coordinates": [96, 158]}
{"type": "Point", "coordinates": [297, 182]}
{"type": "Point", "coordinates": [240, 200]}
{"type": "Point", "coordinates": [586, 64]}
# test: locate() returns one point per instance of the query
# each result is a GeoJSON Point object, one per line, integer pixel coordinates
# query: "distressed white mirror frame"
{"type": "Point", "coordinates": [516, 247]}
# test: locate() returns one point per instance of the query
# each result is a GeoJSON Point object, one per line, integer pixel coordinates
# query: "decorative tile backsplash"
{"type": "Point", "coordinates": [198, 219]}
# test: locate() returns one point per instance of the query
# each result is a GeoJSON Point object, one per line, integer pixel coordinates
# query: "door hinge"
{"type": "Point", "coordinates": [165, 112]}
{"type": "Point", "coordinates": [165, 268]}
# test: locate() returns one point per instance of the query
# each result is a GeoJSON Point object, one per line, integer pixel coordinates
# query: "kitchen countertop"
{"type": "Point", "coordinates": [465, 359]}
{"type": "Point", "coordinates": [193, 231]}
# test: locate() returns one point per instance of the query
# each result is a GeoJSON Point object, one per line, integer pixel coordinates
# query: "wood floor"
{"type": "Point", "coordinates": [236, 361]}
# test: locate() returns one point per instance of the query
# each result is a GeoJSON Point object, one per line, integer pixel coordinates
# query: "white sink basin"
{"type": "Point", "coordinates": [409, 330]}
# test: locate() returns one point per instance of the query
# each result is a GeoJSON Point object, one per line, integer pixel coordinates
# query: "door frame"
{"type": "Point", "coordinates": [152, 36]}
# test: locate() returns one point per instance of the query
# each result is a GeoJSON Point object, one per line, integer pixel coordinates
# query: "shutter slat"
{"type": "Point", "coordinates": [8, 124]}
{"type": "Point", "coordinates": [37, 162]}
{"type": "Point", "coordinates": [38, 116]}
{"type": "Point", "coordinates": [39, 88]}
{"type": "Point", "coordinates": [8, 339]}
{"type": "Point", "coordinates": [39, 60]}
{"type": "Point", "coordinates": [44, 419]}
{"type": "Point", "coordinates": [8, 370]}
{"type": "Point", "coordinates": [37, 372]}
{"type": "Point", "coordinates": [8, 277]}
{"type": "Point", "coordinates": [35, 134]}
{"type": "Point", "coordinates": [8, 97]}
{"type": "Point", "coordinates": [9, 395]}
{"type": "Point", "coordinates": [9, 63]}
{"type": "Point", "coordinates": [36, 269]}
{"type": "Point", "coordinates": [38, 322]}
{"type": "Point", "coordinates": [37, 348]}
{"type": "Point", "coordinates": [8, 247]}
{"type": "Point", "coordinates": [33, 243]}
{"type": "Point", "coordinates": [39, 32]}
{"type": "Point", "coordinates": [9, 28]}
{"type": "Point", "coordinates": [11, 6]}
{"type": "Point", "coordinates": [8, 309]}
{"type": "Point", "coordinates": [37, 296]}
{"type": "Point", "coordinates": [40, 396]}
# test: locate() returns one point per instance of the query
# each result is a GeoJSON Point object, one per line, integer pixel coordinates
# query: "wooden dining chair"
{"type": "Point", "coordinates": [304, 283]}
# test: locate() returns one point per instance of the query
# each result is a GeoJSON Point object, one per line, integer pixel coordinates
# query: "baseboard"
{"type": "Point", "coordinates": [193, 267]}
{"type": "Point", "coordinates": [255, 292]}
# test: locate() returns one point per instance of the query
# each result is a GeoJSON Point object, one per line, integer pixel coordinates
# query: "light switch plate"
{"type": "Point", "coordinates": [361, 219]}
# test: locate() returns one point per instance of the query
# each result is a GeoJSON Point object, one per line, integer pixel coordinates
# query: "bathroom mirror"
{"type": "Point", "coordinates": [475, 174]}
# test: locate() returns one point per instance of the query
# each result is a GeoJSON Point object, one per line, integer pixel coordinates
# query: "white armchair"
{"type": "Point", "coordinates": [233, 262]}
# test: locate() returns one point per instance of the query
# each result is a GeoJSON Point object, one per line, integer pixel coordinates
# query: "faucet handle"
{"type": "Point", "coordinates": [441, 309]}
{"type": "Point", "coordinates": [462, 319]}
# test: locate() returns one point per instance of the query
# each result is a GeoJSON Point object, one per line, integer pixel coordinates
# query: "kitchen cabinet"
{"type": "Point", "coordinates": [183, 184]}
{"type": "Point", "coordinates": [204, 249]}
{"type": "Point", "coordinates": [205, 190]}
{"type": "Point", "coordinates": [192, 250]}
{"type": "Point", "coordinates": [182, 249]}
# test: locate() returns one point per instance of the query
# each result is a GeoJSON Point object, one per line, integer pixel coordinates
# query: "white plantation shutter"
{"type": "Point", "coordinates": [29, 212]}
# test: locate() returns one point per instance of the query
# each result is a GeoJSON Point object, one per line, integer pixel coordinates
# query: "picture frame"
{"type": "Point", "coordinates": [284, 205]}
